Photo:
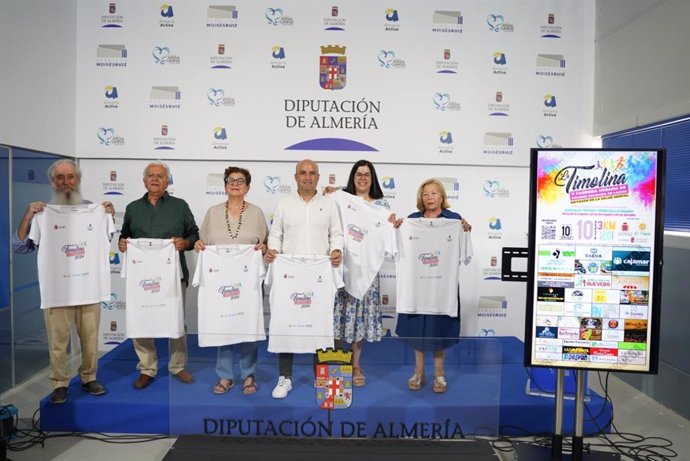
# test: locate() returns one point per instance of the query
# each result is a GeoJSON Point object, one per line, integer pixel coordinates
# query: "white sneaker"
{"type": "Point", "coordinates": [282, 388]}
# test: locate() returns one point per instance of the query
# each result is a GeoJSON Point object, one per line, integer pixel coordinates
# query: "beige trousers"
{"type": "Point", "coordinates": [148, 359]}
{"type": "Point", "coordinates": [59, 322]}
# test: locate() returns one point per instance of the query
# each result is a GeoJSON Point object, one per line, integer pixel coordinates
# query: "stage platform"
{"type": "Point", "coordinates": [486, 397]}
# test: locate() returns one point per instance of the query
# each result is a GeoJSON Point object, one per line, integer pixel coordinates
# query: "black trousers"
{"type": "Point", "coordinates": [285, 360]}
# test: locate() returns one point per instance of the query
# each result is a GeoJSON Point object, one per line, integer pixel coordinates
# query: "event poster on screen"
{"type": "Point", "coordinates": [594, 237]}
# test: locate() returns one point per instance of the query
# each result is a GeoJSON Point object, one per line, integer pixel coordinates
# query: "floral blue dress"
{"type": "Point", "coordinates": [354, 319]}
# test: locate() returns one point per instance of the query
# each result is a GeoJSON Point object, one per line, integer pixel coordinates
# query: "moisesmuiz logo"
{"type": "Point", "coordinates": [165, 97]}
{"type": "Point", "coordinates": [447, 21]}
{"type": "Point", "coordinates": [221, 16]}
{"type": "Point", "coordinates": [550, 65]}
{"type": "Point", "coordinates": [108, 55]}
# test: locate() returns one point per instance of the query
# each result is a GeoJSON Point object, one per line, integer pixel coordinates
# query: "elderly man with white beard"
{"type": "Point", "coordinates": [65, 179]}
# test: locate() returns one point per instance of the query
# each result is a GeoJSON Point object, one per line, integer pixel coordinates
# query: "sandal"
{"type": "Point", "coordinates": [416, 382]}
{"type": "Point", "coordinates": [249, 386]}
{"type": "Point", "coordinates": [222, 388]}
{"type": "Point", "coordinates": [440, 384]}
{"type": "Point", "coordinates": [358, 378]}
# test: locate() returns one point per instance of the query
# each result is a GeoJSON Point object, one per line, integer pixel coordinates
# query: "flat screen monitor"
{"type": "Point", "coordinates": [594, 259]}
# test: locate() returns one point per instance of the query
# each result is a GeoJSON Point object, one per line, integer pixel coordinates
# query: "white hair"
{"type": "Point", "coordinates": [64, 161]}
{"type": "Point", "coordinates": [157, 163]}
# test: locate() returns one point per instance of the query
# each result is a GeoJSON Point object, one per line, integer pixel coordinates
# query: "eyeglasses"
{"type": "Point", "coordinates": [363, 175]}
{"type": "Point", "coordinates": [238, 181]}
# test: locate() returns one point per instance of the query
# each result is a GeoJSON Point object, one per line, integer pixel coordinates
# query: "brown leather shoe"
{"type": "Point", "coordinates": [185, 376]}
{"type": "Point", "coordinates": [143, 381]}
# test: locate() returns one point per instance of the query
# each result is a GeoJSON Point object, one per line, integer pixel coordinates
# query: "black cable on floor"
{"type": "Point", "coordinates": [25, 438]}
{"type": "Point", "coordinates": [633, 446]}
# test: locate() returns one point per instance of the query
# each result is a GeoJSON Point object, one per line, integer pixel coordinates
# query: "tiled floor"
{"type": "Point", "coordinates": [634, 413]}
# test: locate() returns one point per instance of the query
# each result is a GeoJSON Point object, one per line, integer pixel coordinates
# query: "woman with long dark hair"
{"type": "Point", "coordinates": [357, 320]}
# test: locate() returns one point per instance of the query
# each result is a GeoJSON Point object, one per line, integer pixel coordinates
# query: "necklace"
{"type": "Point", "coordinates": [233, 235]}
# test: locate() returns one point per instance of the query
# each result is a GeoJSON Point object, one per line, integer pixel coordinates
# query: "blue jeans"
{"type": "Point", "coordinates": [248, 356]}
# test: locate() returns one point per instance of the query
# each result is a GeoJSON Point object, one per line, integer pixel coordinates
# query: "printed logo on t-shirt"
{"type": "Point", "coordinates": [151, 285]}
{"type": "Point", "coordinates": [356, 232]}
{"type": "Point", "coordinates": [429, 259]}
{"type": "Point", "coordinates": [302, 300]}
{"type": "Point", "coordinates": [75, 250]}
{"type": "Point", "coordinates": [230, 291]}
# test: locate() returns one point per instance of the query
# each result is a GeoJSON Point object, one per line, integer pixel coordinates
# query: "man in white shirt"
{"type": "Point", "coordinates": [65, 179]}
{"type": "Point", "coordinates": [306, 223]}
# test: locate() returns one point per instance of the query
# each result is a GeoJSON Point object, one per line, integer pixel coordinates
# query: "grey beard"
{"type": "Point", "coordinates": [71, 198]}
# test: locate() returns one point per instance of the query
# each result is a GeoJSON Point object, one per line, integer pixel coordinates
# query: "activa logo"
{"type": "Point", "coordinates": [392, 15]}
{"type": "Point", "coordinates": [111, 92]}
{"type": "Point", "coordinates": [499, 58]}
{"type": "Point", "coordinates": [220, 133]}
{"type": "Point", "coordinates": [167, 11]}
{"type": "Point", "coordinates": [446, 137]}
{"type": "Point", "coordinates": [278, 52]}
{"type": "Point", "coordinates": [550, 101]}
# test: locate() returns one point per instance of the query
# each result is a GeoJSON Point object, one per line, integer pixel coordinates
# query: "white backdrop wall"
{"type": "Point", "coordinates": [38, 74]}
{"type": "Point", "coordinates": [641, 76]}
{"type": "Point", "coordinates": [455, 90]}
{"type": "Point", "coordinates": [463, 82]}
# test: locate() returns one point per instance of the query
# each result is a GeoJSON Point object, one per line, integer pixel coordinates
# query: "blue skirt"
{"type": "Point", "coordinates": [428, 332]}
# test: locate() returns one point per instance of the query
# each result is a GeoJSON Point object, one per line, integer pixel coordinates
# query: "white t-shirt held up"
{"type": "Point", "coordinates": [73, 254]}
